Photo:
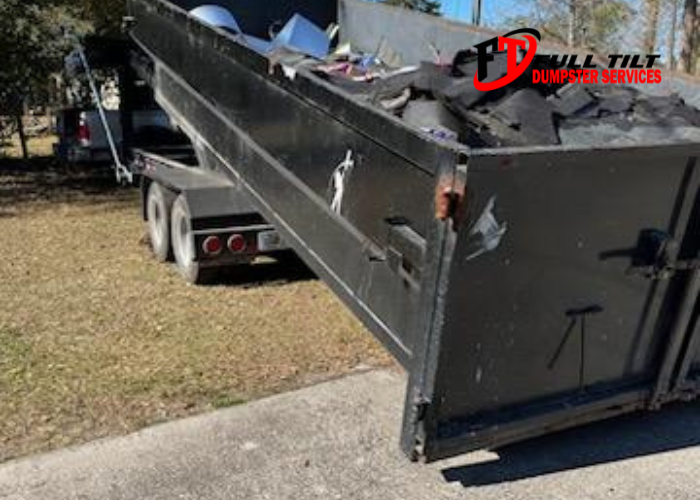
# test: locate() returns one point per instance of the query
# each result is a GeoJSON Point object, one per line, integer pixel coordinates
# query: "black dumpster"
{"type": "Point", "coordinates": [525, 290]}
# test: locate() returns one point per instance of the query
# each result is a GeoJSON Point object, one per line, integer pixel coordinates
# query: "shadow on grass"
{"type": "Point", "coordinates": [41, 181]}
{"type": "Point", "coordinates": [632, 436]}
{"type": "Point", "coordinates": [287, 268]}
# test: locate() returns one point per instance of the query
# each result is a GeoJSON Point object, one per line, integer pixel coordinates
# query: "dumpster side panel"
{"type": "Point", "coordinates": [515, 316]}
{"type": "Point", "coordinates": [541, 309]}
{"type": "Point", "coordinates": [309, 142]}
{"type": "Point", "coordinates": [360, 214]}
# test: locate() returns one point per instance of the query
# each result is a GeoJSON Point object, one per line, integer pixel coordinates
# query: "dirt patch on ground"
{"type": "Point", "coordinates": [96, 339]}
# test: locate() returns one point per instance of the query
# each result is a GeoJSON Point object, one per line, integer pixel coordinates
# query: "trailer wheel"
{"type": "Point", "coordinates": [159, 203]}
{"type": "Point", "coordinates": [183, 246]}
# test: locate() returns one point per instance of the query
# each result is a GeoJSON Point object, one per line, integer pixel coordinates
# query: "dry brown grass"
{"type": "Point", "coordinates": [97, 339]}
{"type": "Point", "coordinates": [41, 146]}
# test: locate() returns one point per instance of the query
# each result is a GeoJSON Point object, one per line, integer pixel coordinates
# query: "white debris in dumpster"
{"type": "Point", "coordinates": [217, 16]}
{"type": "Point", "coordinates": [302, 36]}
{"type": "Point", "coordinates": [299, 35]}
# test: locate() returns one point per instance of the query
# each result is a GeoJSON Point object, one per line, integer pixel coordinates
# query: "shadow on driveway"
{"type": "Point", "coordinates": [632, 436]}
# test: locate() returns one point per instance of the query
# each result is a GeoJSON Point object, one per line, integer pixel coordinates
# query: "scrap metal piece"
{"type": "Point", "coordinates": [301, 35]}
{"type": "Point", "coordinates": [217, 16]}
{"type": "Point", "coordinates": [397, 103]}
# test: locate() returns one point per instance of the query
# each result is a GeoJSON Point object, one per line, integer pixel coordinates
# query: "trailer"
{"type": "Point", "coordinates": [524, 289]}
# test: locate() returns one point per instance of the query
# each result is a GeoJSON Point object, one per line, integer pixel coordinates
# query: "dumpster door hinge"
{"type": "Point", "coordinates": [666, 271]}
{"type": "Point", "coordinates": [451, 195]}
{"type": "Point", "coordinates": [659, 260]}
{"type": "Point", "coordinates": [420, 408]}
{"type": "Point", "coordinates": [448, 203]}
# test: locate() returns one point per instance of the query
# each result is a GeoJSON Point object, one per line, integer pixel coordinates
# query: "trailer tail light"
{"type": "Point", "coordinates": [237, 243]}
{"type": "Point", "coordinates": [212, 246]}
{"type": "Point", "coordinates": [83, 132]}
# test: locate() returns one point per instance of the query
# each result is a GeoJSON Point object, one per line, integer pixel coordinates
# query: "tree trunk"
{"type": "Point", "coordinates": [476, 12]}
{"type": "Point", "coordinates": [22, 135]}
{"type": "Point", "coordinates": [573, 23]}
{"type": "Point", "coordinates": [671, 40]}
{"type": "Point", "coordinates": [696, 42]}
{"type": "Point", "coordinates": [690, 24]}
{"type": "Point", "coordinates": [652, 26]}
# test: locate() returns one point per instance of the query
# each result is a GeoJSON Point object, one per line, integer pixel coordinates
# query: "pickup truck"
{"type": "Point", "coordinates": [82, 137]}
{"type": "Point", "coordinates": [525, 289]}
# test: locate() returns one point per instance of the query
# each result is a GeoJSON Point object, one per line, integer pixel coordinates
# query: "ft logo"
{"type": "Point", "coordinates": [511, 46]}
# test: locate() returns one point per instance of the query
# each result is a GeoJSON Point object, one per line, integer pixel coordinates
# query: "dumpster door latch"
{"type": "Point", "coordinates": [406, 251]}
{"type": "Point", "coordinates": [657, 257]}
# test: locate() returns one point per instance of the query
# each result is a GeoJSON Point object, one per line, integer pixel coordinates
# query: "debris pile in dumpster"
{"type": "Point", "coordinates": [440, 99]}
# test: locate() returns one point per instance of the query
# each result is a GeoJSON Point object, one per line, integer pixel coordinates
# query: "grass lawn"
{"type": "Point", "coordinates": [97, 339]}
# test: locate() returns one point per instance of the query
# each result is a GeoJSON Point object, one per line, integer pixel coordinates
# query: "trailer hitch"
{"type": "Point", "coordinates": [657, 257]}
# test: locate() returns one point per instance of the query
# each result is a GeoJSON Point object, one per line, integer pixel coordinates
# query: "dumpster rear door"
{"type": "Point", "coordinates": [562, 296]}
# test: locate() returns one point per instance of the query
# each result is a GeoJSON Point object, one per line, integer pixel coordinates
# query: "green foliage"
{"type": "Point", "coordinates": [428, 6]}
{"type": "Point", "coordinates": [28, 52]}
{"type": "Point", "coordinates": [226, 401]}
{"type": "Point", "coordinates": [33, 44]}
{"type": "Point", "coordinates": [105, 16]}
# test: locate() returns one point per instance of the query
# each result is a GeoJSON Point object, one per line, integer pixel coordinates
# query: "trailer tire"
{"type": "Point", "coordinates": [159, 203]}
{"type": "Point", "coordinates": [183, 246]}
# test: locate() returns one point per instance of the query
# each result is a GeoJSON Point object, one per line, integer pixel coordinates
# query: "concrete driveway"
{"type": "Point", "coordinates": [339, 440]}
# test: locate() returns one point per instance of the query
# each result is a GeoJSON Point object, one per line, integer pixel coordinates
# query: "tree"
{"type": "Point", "coordinates": [689, 47]}
{"type": "Point", "coordinates": [653, 8]}
{"type": "Point", "coordinates": [574, 28]}
{"type": "Point", "coordinates": [27, 56]}
{"type": "Point", "coordinates": [671, 36]}
{"type": "Point", "coordinates": [105, 16]}
{"type": "Point", "coordinates": [33, 45]}
{"type": "Point", "coordinates": [591, 24]}
{"type": "Point", "coordinates": [428, 6]}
